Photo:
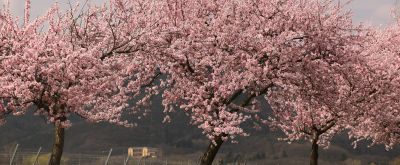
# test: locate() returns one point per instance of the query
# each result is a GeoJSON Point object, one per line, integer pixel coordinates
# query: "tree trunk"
{"type": "Point", "coordinates": [58, 145]}
{"type": "Point", "coordinates": [314, 152]}
{"type": "Point", "coordinates": [211, 151]}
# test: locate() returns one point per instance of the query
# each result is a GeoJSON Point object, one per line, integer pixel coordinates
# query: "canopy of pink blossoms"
{"type": "Point", "coordinates": [223, 54]}
{"type": "Point", "coordinates": [379, 120]}
{"type": "Point", "coordinates": [77, 62]}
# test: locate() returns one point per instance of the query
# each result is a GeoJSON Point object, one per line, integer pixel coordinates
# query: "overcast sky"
{"type": "Point", "coordinates": [376, 12]}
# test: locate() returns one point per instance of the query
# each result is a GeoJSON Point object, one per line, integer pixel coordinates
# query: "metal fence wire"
{"type": "Point", "coordinates": [41, 157]}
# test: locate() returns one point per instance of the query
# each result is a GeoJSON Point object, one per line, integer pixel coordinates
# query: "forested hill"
{"type": "Point", "coordinates": [177, 137]}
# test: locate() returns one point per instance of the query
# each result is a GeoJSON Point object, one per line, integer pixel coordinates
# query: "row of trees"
{"type": "Point", "coordinates": [217, 60]}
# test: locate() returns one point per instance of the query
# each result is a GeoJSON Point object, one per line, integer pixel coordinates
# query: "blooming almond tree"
{"type": "Point", "coordinates": [379, 121]}
{"type": "Point", "coordinates": [320, 103]}
{"type": "Point", "coordinates": [222, 55]}
{"type": "Point", "coordinates": [85, 63]}
{"type": "Point", "coordinates": [215, 57]}
{"type": "Point", "coordinates": [317, 95]}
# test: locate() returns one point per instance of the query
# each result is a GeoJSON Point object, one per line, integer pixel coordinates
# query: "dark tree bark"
{"type": "Point", "coordinates": [211, 151]}
{"type": "Point", "coordinates": [58, 145]}
{"type": "Point", "coordinates": [315, 138]}
{"type": "Point", "coordinates": [314, 151]}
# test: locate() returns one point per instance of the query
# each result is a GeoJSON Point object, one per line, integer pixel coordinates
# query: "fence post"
{"type": "Point", "coordinates": [127, 160]}
{"type": "Point", "coordinates": [79, 160]}
{"type": "Point", "coordinates": [13, 155]}
{"type": "Point", "coordinates": [108, 157]}
{"type": "Point", "coordinates": [37, 156]}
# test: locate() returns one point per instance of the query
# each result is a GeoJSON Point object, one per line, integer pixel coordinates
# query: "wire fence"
{"type": "Point", "coordinates": [41, 157]}
{"type": "Point", "coordinates": [84, 159]}
{"type": "Point", "coordinates": [119, 156]}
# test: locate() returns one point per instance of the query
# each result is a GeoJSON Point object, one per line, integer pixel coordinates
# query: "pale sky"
{"type": "Point", "coordinates": [376, 12]}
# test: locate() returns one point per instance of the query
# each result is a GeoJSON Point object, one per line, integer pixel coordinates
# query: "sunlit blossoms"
{"type": "Point", "coordinates": [379, 120]}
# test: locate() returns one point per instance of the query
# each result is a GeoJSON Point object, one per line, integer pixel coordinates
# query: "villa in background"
{"type": "Point", "coordinates": [144, 152]}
